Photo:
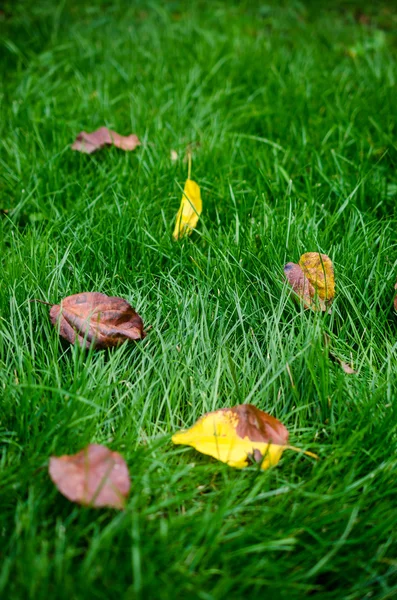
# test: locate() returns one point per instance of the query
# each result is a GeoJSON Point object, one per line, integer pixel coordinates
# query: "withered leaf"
{"type": "Point", "coordinates": [319, 270]}
{"type": "Point", "coordinates": [94, 318]}
{"type": "Point", "coordinates": [95, 476]}
{"type": "Point", "coordinates": [395, 298]}
{"type": "Point", "coordinates": [236, 435]}
{"type": "Point", "coordinates": [91, 142]}
{"type": "Point", "coordinates": [300, 283]}
{"type": "Point", "coordinates": [312, 280]}
{"type": "Point", "coordinates": [345, 366]}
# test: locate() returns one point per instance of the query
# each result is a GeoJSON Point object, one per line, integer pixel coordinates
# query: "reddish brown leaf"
{"type": "Point", "coordinates": [395, 298]}
{"type": "Point", "coordinates": [91, 142]}
{"type": "Point", "coordinates": [258, 426]}
{"type": "Point", "coordinates": [94, 318]}
{"type": "Point", "coordinates": [300, 283]}
{"type": "Point", "coordinates": [94, 476]}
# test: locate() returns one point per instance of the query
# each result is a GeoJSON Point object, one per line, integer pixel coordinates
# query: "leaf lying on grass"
{"type": "Point", "coordinates": [91, 142]}
{"type": "Point", "coordinates": [345, 366]}
{"type": "Point", "coordinates": [312, 280]}
{"type": "Point", "coordinates": [94, 477]}
{"type": "Point", "coordinates": [94, 318]}
{"type": "Point", "coordinates": [236, 435]}
{"type": "Point", "coordinates": [395, 298]}
{"type": "Point", "coordinates": [190, 208]}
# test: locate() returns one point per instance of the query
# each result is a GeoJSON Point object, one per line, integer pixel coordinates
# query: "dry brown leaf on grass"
{"type": "Point", "coordinates": [91, 142]}
{"type": "Point", "coordinates": [94, 318]}
{"type": "Point", "coordinates": [395, 298]}
{"type": "Point", "coordinates": [345, 366]}
{"type": "Point", "coordinates": [299, 283]}
{"type": "Point", "coordinates": [312, 280]}
{"type": "Point", "coordinates": [93, 477]}
{"type": "Point", "coordinates": [348, 369]}
{"type": "Point", "coordinates": [237, 435]}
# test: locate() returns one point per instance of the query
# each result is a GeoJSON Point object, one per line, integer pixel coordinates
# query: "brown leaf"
{"type": "Point", "coordinates": [395, 298]}
{"type": "Point", "coordinates": [94, 318]}
{"type": "Point", "coordinates": [258, 426]}
{"type": "Point", "coordinates": [346, 367]}
{"type": "Point", "coordinates": [91, 142]}
{"type": "Point", "coordinates": [94, 476]}
{"type": "Point", "coordinates": [300, 283]}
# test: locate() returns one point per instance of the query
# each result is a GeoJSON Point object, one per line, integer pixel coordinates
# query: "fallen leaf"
{"type": "Point", "coordinates": [237, 435]}
{"type": "Point", "coordinates": [94, 318]}
{"type": "Point", "coordinates": [299, 283]}
{"type": "Point", "coordinates": [189, 210]}
{"type": "Point", "coordinates": [319, 270]}
{"type": "Point", "coordinates": [346, 367]}
{"type": "Point", "coordinates": [395, 298]}
{"type": "Point", "coordinates": [312, 280]}
{"type": "Point", "coordinates": [91, 142]}
{"type": "Point", "coordinates": [94, 477]}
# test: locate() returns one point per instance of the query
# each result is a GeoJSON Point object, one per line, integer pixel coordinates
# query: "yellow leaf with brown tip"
{"type": "Point", "coordinates": [237, 435]}
{"type": "Point", "coordinates": [189, 210]}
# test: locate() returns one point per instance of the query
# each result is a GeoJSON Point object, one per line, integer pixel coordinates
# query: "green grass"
{"type": "Point", "coordinates": [290, 110]}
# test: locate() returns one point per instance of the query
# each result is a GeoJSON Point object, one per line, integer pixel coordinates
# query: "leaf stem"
{"type": "Point", "coordinates": [40, 301]}
{"type": "Point", "coordinates": [304, 452]}
{"type": "Point", "coordinates": [189, 161]}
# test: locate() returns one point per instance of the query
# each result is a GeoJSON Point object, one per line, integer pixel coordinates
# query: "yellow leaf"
{"type": "Point", "coordinates": [189, 210]}
{"type": "Point", "coordinates": [319, 270]}
{"type": "Point", "coordinates": [236, 435]}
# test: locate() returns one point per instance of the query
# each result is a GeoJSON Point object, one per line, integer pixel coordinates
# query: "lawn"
{"type": "Point", "coordinates": [289, 110]}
